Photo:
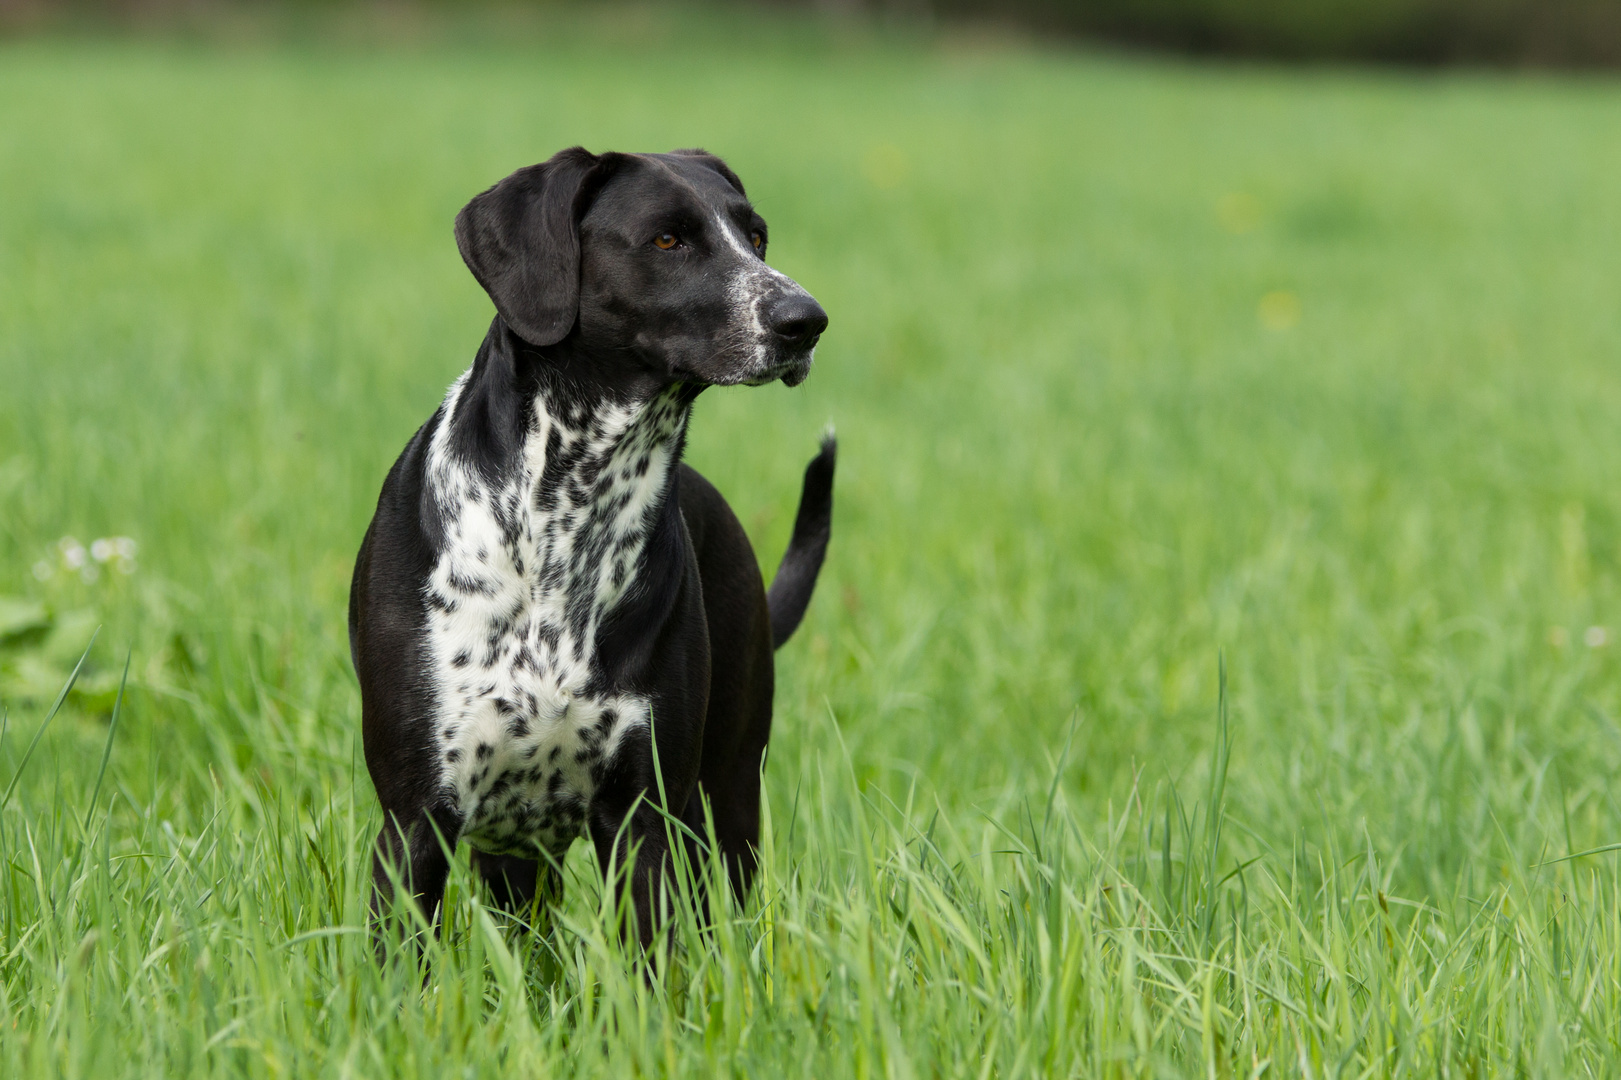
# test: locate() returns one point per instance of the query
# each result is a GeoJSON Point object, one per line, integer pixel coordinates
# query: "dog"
{"type": "Point", "coordinates": [558, 627]}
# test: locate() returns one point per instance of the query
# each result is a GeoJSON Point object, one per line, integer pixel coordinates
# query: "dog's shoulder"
{"type": "Point", "coordinates": [405, 531]}
{"type": "Point", "coordinates": [703, 506]}
{"type": "Point", "coordinates": [386, 622]}
{"type": "Point", "coordinates": [719, 541]}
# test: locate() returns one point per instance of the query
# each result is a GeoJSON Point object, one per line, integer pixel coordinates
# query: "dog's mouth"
{"type": "Point", "coordinates": [792, 370]}
{"type": "Point", "coordinates": [749, 365]}
{"type": "Point", "coordinates": [797, 372]}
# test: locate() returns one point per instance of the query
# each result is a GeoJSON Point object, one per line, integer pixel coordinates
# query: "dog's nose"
{"type": "Point", "coordinates": [797, 319]}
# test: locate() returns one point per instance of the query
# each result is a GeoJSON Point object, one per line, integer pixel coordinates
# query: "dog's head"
{"type": "Point", "coordinates": [658, 257]}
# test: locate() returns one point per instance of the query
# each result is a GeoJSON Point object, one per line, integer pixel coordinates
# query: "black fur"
{"type": "Point", "coordinates": [796, 575]}
{"type": "Point", "coordinates": [596, 318]}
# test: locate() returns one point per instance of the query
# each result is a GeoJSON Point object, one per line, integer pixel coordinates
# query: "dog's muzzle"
{"type": "Point", "coordinates": [795, 322]}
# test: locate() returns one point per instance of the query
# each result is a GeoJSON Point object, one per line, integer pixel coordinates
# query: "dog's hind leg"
{"type": "Point", "coordinates": [636, 848]}
{"type": "Point", "coordinates": [734, 809]}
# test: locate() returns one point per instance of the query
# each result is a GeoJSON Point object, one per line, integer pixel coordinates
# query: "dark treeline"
{"type": "Point", "coordinates": [1541, 32]}
{"type": "Point", "coordinates": [1572, 33]}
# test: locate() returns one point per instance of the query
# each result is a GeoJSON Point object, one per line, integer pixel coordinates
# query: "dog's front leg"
{"type": "Point", "coordinates": [636, 849]}
{"type": "Point", "coordinates": [413, 850]}
{"type": "Point", "coordinates": [514, 882]}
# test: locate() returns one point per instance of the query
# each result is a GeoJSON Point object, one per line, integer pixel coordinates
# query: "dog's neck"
{"type": "Point", "coordinates": [553, 482]}
{"type": "Point", "coordinates": [512, 384]}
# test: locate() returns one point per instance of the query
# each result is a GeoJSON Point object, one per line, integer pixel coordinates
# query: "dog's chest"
{"type": "Point", "coordinates": [530, 565]}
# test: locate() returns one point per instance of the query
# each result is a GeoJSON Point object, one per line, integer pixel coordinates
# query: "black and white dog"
{"type": "Point", "coordinates": [547, 596]}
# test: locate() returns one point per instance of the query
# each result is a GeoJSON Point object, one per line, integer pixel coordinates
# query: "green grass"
{"type": "Point", "coordinates": [1135, 366]}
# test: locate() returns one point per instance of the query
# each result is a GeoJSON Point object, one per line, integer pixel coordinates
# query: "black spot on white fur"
{"type": "Point", "coordinates": [530, 567]}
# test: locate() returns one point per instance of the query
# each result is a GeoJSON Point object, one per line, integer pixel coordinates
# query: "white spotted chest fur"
{"type": "Point", "coordinates": [529, 567]}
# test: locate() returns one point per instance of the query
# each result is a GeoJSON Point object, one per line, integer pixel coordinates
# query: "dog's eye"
{"type": "Point", "coordinates": [665, 241]}
{"type": "Point", "coordinates": [757, 240]}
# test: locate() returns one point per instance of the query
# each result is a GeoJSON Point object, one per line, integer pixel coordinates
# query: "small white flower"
{"type": "Point", "coordinates": [43, 570]}
{"type": "Point", "coordinates": [124, 546]}
{"type": "Point", "coordinates": [72, 552]}
{"type": "Point", "coordinates": [101, 550]}
{"type": "Point", "coordinates": [1596, 636]}
{"type": "Point", "coordinates": [90, 573]}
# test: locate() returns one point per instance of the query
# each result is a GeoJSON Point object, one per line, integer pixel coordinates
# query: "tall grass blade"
{"type": "Point", "coordinates": [1218, 767]}
{"type": "Point", "coordinates": [60, 698]}
{"type": "Point", "coordinates": [1604, 849]}
{"type": "Point", "coordinates": [112, 730]}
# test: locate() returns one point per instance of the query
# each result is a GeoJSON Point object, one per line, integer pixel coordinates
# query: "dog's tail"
{"type": "Point", "coordinates": [791, 589]}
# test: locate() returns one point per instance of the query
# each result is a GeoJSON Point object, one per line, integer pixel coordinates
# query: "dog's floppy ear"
{"type": "Point", "coordinates": [521, 240]}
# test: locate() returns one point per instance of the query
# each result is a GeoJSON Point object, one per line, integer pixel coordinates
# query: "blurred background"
{"type": "Point", "coordinates": [1541, 32]}
{"type": "Point", "coordinates": [1164, 334]}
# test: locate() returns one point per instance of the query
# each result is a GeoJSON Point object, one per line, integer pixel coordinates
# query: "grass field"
{"type": "Point", "coordinates": [1136, 367]}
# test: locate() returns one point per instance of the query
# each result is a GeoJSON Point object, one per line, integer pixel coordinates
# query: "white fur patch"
{"type": "Point", "coordinates": [749, 290]}
{"type": "Point", "coordinates": [530, 566]}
